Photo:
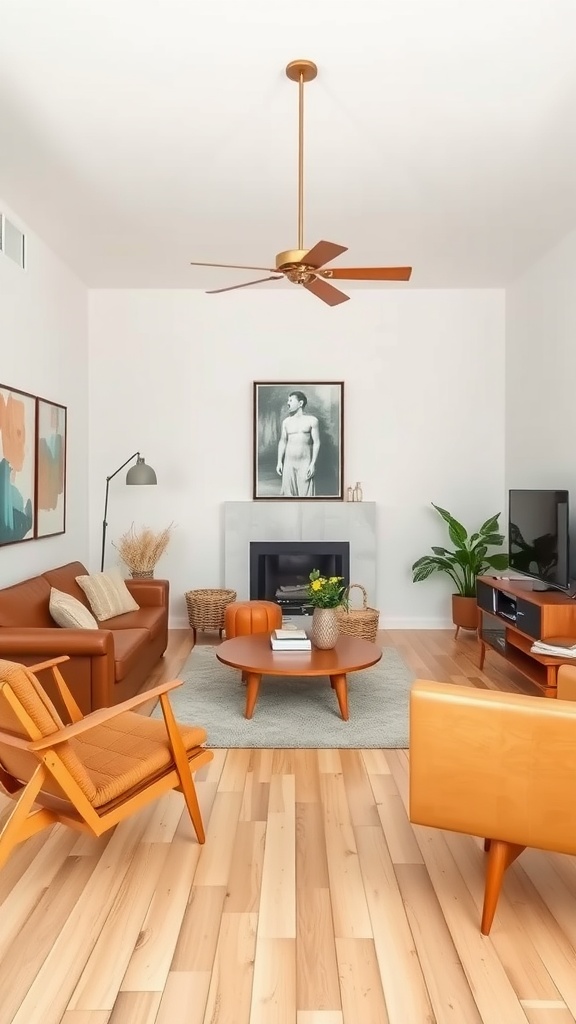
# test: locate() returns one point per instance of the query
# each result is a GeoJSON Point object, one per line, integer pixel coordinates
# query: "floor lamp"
{"type": "Point", "coordinates": [138, 474]}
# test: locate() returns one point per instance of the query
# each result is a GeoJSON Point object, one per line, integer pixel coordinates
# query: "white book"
{"type": "Point", "coordinates": [290, 634]}
{"type": "Point", "coordinates": [299, 645]}
{"type": "Point", "coordinates": [556, 652]}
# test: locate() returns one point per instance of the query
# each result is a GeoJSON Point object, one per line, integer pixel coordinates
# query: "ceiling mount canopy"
{"type": "Point", "coordinates": [302, 266]}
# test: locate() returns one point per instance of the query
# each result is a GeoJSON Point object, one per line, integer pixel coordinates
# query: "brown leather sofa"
{"type": "Point", "coordinates": [107, 665]}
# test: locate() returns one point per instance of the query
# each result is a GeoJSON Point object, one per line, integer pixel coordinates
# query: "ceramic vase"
{"type": "Point", "coordinates": [325, 629]}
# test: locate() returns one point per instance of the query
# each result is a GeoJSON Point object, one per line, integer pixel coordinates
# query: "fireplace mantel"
{"type": "Point", "coordinates": [245, 521]}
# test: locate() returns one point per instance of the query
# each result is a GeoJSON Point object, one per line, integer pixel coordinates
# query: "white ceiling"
{"type": "Point", "coordinates": [137, 135]}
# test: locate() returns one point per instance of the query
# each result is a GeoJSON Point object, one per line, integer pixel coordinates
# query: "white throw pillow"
{"type": "Point", "coordinates": [69, 612]}
{"type": "Point", "coordinates": [108, 594]}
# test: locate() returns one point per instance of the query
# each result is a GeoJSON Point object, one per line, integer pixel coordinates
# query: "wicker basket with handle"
{"type": "Point", "coordinates": [360, 622]}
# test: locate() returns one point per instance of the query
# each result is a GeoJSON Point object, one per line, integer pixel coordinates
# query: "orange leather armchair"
{"type": "Point", "coordinates": [497, 765]}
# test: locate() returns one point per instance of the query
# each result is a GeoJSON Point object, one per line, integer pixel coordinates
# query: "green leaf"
{"type": "Point", "coordinates": [424, 572]}
{"type": "Point", "coordinates": [497, 561]}
{"type": "Point", "coordinates": [493, 539]}
{"type": "Point", "coordinates": [490, 525]}
{"type": "Point", "coordinates": [457, 532]}
{"type": "Point", "coordinates": [440, 551]}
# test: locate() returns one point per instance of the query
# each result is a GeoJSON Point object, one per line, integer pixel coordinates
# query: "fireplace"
{"type": "Point", "coordinates": [280, 570]}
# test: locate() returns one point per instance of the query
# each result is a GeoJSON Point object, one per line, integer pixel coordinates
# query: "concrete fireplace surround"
{"type": "Point", "coordinates": [351, 521]}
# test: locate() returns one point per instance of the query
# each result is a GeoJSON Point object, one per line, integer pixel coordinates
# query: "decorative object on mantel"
{"type": "Point", "coordinates": [17, 465]}
{"type": "Point", "coordinates": [141, 550]}
{"type": "Point", "coordinates": [138, 474]}
{"type": "Point", "coordinates": [355, 493]}
{"type": "Point", "coordinates": [306, 267]}
{"type": "Point", "coordinates": [361, 622]}
{"type": "Point", "coordinates": [298, 442]}
{"type": "Point", "coordinates": [464, 564]}
{"type": "Point", "coordinates": [207, 608]}
{"type": "Point", "coordinates": [325, 594]}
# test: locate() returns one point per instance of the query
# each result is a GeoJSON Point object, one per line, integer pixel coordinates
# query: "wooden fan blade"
{"type": "Point", "coordinates": [322, 253]}
{"type": "Point", "coordinates": [232, 266]}
{"type": "Point", "coordinates": [232, 287]}
{"type": "Point", "coordinates": [326, 292]}
{"type": "Point", "coordinates": [368, 273]}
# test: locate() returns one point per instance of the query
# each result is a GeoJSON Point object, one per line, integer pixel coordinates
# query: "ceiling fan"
{"type": "Point", "coordinates": [307, 266]}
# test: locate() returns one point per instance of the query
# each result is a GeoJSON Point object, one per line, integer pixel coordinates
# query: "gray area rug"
{"type": "Point", "coordinates": [294, 712]}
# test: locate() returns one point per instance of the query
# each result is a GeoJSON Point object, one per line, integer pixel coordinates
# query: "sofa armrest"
{"type": "Point", "coordinates": [53, 640]}
{"type": "Point", "coordinates": [149, 593]}
{"type": "Point", "coordinates": [498, 765]}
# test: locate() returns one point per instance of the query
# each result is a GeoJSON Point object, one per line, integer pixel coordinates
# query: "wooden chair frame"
{"type": "Point", "coordinates": [35, 810]}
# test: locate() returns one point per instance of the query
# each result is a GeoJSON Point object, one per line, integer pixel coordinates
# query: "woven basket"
{"type": "Point", "coordinates": [206, 608]}
{"type": "Point", "coordinates": [360, 622]}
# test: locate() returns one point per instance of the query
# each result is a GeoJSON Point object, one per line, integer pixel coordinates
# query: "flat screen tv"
{"type": "Point", "coordinates": [538, 537]}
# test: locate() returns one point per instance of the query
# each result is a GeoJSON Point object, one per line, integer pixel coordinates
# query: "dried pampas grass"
{"type": "Point", "coordinates": [142, 549]}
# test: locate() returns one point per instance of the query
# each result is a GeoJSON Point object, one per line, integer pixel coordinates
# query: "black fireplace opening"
{"type": "Point", "coordinates": [280, 570]}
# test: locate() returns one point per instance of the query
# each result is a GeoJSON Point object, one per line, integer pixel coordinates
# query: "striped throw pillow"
{"type": "Point", "coordinates": [69, 612]}
{"type": "Point", "coordinates": [108, 594]}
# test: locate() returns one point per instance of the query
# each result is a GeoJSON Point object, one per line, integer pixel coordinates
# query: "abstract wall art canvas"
{"type": "Point", "coordinates": [298, 440]}
{"type": "Point", "coordinates": [17, 465]}
{"type": "Point", "coordinates": [50, 469]}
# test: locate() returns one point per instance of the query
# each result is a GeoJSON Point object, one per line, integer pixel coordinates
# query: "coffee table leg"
{"type": "Point", "coordinates": [340, 684]}
{"type": "Point", "coordinates": [253, 681]}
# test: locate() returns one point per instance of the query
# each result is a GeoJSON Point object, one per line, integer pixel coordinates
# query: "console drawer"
{"type": "Point", "coordinates": [529, 618]}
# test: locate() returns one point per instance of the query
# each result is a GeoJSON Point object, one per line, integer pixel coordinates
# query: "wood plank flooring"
{"type": "Point", "coordinates": [314, 901]}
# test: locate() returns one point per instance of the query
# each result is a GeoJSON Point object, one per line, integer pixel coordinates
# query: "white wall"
{"type": "Point", "coordinates": [171, 376]}
{"type": "Point", "coordinates": [541, 373]}
{"type": "Point", "coordinates": [44, 350]}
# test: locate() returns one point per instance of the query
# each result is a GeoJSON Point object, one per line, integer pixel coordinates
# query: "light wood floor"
{"type": "Point", "coordinates": [314, 901]}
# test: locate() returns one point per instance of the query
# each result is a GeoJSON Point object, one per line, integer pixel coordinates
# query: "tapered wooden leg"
{"type": "Point", "coordinates": [253, 680]}
{"type": "Point", "coordinates": [21, 823]}
{"type": "Point", "coordinates": [456, 633]}
{"type": "Point", "coordinates": [500, 856]}
{"type": "Point", "coordinates": [340, 684]}
{"type": "Point", "coordinates": [482, 655]}
{"type": "Point", "coordinates": [183, 768]}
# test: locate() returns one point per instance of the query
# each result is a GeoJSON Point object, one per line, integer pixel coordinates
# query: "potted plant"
{"type": "Point", "coordinates": [468, 560]}
{"type": "Point", "coordinates": [141, 550]}
{"type": "Point", "coordinates": [325, 594]}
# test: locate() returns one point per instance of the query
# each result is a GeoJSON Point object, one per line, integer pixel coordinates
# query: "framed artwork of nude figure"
{"type": "Point", "coordinates": [299, 440]}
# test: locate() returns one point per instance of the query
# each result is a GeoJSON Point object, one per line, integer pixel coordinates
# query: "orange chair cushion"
{"type": "Point", "coordinates": [243, 618]}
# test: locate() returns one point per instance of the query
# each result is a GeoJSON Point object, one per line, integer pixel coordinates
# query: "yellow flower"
{"type": "Point", "coordinates": [334, 579]}
{"type": "Point", "coordinates": [317, 585]}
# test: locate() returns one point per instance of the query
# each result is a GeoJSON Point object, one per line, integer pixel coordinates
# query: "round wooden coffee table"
{"type": "Point", "coordinates": [255, 658]}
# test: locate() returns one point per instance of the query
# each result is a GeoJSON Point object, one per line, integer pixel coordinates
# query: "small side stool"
{"type": "Point", "coordinates": [243, 618]}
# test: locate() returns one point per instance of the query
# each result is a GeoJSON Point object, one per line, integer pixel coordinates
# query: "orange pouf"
{"type": "Point", "coordinates": [243, 618]}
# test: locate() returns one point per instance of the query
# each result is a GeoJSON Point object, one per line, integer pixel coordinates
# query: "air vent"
{"type": "Point", "coordinates": [12, 241]}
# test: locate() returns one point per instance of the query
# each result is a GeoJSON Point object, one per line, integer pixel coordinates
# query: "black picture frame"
{"type": "Point", "coordinates": [51, 451]}
{"type": "Point", "coordinates": [276, 406]}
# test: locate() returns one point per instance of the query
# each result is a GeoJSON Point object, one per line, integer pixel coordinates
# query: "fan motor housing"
{"type": "Point", "coordinates": [290, 256]}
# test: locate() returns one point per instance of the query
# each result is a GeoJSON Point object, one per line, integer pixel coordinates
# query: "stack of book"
{"type": "Point", "coordinates": [557, 646]}
{"type": "Point", "coordinates": [290, 640]}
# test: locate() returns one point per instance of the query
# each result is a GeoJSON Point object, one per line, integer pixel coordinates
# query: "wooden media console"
{"type": "Point", "coordinates": [512, 615]}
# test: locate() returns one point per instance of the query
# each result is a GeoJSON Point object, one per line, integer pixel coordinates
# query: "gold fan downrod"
{"type": "Point", "coordinates": [301, 71]}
